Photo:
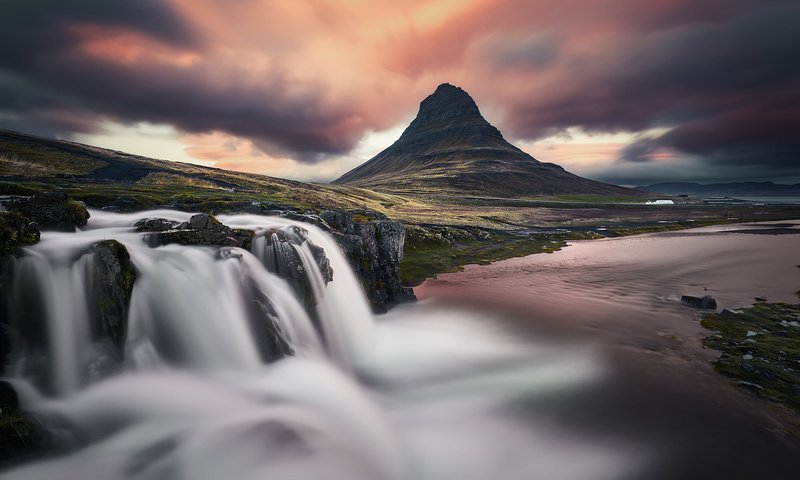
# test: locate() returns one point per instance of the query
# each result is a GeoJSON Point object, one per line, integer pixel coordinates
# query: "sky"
{"type": "Point", "coordinates": [626, 91]}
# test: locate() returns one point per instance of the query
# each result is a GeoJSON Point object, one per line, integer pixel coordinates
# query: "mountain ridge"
{"type": "Point", "coordinates": [449, 147]}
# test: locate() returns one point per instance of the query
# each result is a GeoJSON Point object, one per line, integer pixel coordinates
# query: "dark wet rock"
{"type": "Point", "coordinates": [706, 302]}
{"type": "Point", "coordinates": [281, 257]}
{"type": "Point", "coordinates": [155, 225]}
{"type": "Point", "coordinates": [202, 229]}
{"type": "Point", "coordinates": [16, 231]}
{"type": "Point", "coordinates": [51, 211]}
{"type": "Point", "coordinates": [374, 248]}
{"type": "Point", "coordinates": [21, 436]}
{"type": "Point", "coordinates": [112, 276]}
{"type": "Point", "coordinates": [271, 341]}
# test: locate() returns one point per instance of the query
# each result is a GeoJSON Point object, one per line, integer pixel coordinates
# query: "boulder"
{"type": "Point", "coordinates": [155, 225]}
{"type": "Point", "coordinates": [201, 229]}
{"type": "Point", "coordinates": [706, 302]}
{"type": "Point", "coordinates": [51, 210]}
{"type": "Point", "coordinates": [111, 276]}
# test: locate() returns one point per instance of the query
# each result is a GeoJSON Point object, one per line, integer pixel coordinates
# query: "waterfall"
{"type": "Point", "coordinates": [56, 291]}
{"type": "Point", "coordinates": [226, 372]}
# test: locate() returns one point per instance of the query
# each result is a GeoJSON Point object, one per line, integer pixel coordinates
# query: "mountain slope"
{"type": "Point", "coordinates": [450, 148]}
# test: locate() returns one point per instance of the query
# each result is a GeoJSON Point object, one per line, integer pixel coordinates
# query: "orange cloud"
{"type": "Point", "coordinates": [128, 47]}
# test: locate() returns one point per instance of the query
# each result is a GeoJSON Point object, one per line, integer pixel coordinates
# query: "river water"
{"type": "Point", "coordinates": [575, 365]}
{"type": "Point", "coordinates": [620, 299]}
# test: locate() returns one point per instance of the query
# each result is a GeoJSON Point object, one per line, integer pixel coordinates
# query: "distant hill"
{"type": "Point", "coordinates": [741, 189]}
{"type": "Point", "coordinates": [110, 178]}
{"type": "Point", "coordinates": [449, 148]}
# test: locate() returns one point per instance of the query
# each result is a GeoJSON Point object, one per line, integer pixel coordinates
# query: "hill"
{"type": "Point", "coordinates": [450, 148]}
{"type": "Point", "coordinates": [109, 178]}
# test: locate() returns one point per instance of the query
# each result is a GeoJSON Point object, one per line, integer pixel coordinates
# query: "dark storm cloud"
{"type": "Point", "coordinates": [44, 73]}
{"type": "Point", "coordinates": [728, 93]}
{"type": "Point", "coordinates": [28, 27]}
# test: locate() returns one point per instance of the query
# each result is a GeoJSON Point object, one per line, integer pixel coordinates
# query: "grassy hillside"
{"type": "Point", "coordinates": [447, 229]}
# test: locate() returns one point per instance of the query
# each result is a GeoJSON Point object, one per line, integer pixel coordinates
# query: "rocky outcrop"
{"type": "Point", "coordinates": [16, 231]}
{"type": "Point", "coordinates": [374, 248]}
{"type": "Point", "coordinates": [279, 250]}
{"type": "Point", "coordinates": [112, 277]}
{"type": "Point", "coordinates": [271, 343]}
{"type": "Point", "coordinates": [201, 229]}
{"type": "Point", "coordinates": [51, 211]}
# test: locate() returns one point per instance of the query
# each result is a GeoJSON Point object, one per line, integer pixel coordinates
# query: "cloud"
{"type": "Point", "coordinates": [307, 80]}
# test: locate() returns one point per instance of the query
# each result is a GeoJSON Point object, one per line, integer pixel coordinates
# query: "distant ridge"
{"type": "Point", "coordinates": [449, 148]}
{"type": "Point", "coordinates": [742, 189]}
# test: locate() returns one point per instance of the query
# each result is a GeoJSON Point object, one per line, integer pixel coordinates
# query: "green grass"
{"type": "Point", "coordinates": [767, 362]}
{"type": "Point", "coordinates": [591, 198]}
{"type": "Point", "coordinates": [432, 250]}
{"type": "Point", "coordinates": [35, 160]}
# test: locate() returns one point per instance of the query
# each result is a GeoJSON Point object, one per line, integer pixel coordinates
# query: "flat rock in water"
{"type": "Point", "coordinates": [706, 302]}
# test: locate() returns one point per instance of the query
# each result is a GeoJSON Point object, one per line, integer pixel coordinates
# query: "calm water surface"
{"type": "Point", "coordinates": [620, 297]}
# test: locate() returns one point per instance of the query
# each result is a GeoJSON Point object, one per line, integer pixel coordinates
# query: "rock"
{"type": "Point", "coordinates": [155, 225]}
{"type": "Point", "coordinates": [706, 302]}
{"type": "Point", "coordinates": [760, 299]}
{"type": "Point", "coordinates": [201, 229]}
{"type": "Point", "coordinates": [21, 436]}
{"type": "Point", "coordinates": [16, 231]}
{"type": "Point", "coordinates": [52, 210]}
{"type": "Point", "coordinates": [271, 342]}
{"type": "Point", "coordinates": [112, 276]}
{"type": "Point", "coordinates": [307, 218]}
{"type": "Point", "coordinates": [280, 256]}
{"type": "Point", "coordinates": [374, 249]}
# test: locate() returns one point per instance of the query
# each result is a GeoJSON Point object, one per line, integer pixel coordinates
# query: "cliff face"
{"type": "Point", "coordinates": [374, 248]}
{"type": "Point", "coordinates": [450, 148]}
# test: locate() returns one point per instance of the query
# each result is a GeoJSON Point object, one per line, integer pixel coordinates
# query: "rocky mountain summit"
{"type": "Point", "coordinates": [450, 148]}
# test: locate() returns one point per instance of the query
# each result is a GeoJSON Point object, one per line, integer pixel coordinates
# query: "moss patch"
{"type": "Point", "coordinates": [437, 249]}
{"type": "Point", "coordinates": [760, 349]}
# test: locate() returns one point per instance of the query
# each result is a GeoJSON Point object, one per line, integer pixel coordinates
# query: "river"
{"type": "Point", "coordinates": [620, 298]}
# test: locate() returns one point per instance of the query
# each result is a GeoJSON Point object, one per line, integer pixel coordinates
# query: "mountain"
{"type": "Point", "coordinates": [449, 148]}
{"type": "Point", "coordinates": [740, 189]}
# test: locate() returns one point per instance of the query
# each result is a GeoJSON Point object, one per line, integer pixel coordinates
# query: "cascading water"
{"type": "Point", "coordinates": [422, 393]}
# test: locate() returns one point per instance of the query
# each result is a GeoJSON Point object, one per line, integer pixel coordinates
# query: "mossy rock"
{"type": "Point", "coordinates": [760, 349]}
{"type": "Point", "coordinates": [16, 231]}
{"type": "Point", "coordinates": [76, 213]}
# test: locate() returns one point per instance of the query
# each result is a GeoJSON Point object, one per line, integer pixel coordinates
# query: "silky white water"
{"type": "Point", "coordinates": [419, 393]}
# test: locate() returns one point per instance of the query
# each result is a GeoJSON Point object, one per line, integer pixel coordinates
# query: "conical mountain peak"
{"type": "Point", "coordinates": [453, 109]}
{"type": "Point", "coordinates": [449, 148]}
